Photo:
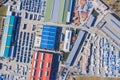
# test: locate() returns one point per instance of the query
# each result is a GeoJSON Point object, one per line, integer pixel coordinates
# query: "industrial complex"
{"type": "Point", "coordinates": [59, 11]}
{"type": "Point", "coordinates": [41, 66]}
{"type": "Point", "coordinates": [58, 39]}
{"type": "Point", "coordinates": [7, 49]}
{"type": "Point", "coordinates": [110, 25]}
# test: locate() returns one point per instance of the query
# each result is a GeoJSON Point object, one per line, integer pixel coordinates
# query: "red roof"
{"type": "Point", "coordinates": [41, 66]}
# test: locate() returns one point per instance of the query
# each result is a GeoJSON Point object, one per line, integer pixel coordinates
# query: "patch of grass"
{"type": "Point", "coordinates": [48, 10]}
{"type": "Point", "coordinates": [65, 56]}
{"type": "Point", "coordinates": [0, 29]}
{"type": "Point", "coordinates": [0, 22]}
{"type": "Point", "coordinates": [3, 10]}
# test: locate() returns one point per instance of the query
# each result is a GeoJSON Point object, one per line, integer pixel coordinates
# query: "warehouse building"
{"type": "Point", "coordinates": [91, 21]}
{"type": "Point", "coordinates": [7, 47]}
{"type": "Point", "coordinates": [110, 25]}
{"type": "Point", "coordinates": [44, 66]}
{"type": "Point", "coordinates": [75, 50]}
{"type": "Point", "coordinates": [70, 7]}
{"type": "Point", "coordinates": [58, 11]}
{"type": "Point", "coordinates": [67, 41]}
{"type": "Point", "coordinates": [50, 37]}
{"type": "Point", "coordinates": [41, 66]}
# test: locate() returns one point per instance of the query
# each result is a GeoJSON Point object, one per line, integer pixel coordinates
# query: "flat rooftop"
{"type": "Point", "coordinates": [74, 52]}
{"type": "Point", "coordinates": [48, 37]}
{"type": "Point", "coordinates": [111, 27]}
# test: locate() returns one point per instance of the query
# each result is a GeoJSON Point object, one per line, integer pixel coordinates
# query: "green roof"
{"type": "Point", "coordinates": [62, 11]}
{"type": "Point", "coordinates": [48, 10]}
{"type": "Point", "coordinates": [65, 11]}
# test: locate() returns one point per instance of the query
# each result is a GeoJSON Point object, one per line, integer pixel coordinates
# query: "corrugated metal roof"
{"type": "Point", "coordinates": [7, 35]}
{"type": "Point", "coordinates": [55, 10]}
{"type": "Point", "coordinates": [39, 71]}
{"type": "Point", "coordinates": [74, 50]}
{"type": "Point", "coordinates": [48, 37]}
{"type": "Point", "coordinates": [67, 40]}
{"type": "Point", "coordinates": [90, 21]}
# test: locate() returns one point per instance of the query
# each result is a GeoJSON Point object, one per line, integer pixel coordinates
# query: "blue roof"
{"type": "Point", "coordinates": [48, 37]}
{"type": "Point", "coordinates": [7, 36]}
{"type": "Point", "coordinates": [9, 20]}
{"type": "Point", "coordinates": [89, 5]}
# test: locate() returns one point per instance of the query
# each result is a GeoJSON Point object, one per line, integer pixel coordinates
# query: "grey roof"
{"type": "Point", "coordinates": [55, 10]}
{"type": "Point", "coordinates": [75, 48]}
{"type": "Point", "coordinates": [111, 28]}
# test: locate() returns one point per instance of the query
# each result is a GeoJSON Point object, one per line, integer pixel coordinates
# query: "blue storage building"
{"type": "Point", "coordinates": [48, 38]}
{"type": "Point", "coordinates": [7, 36]}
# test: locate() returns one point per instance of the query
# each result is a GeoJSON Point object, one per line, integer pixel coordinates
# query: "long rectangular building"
{"type": "Point", "coordinates": [41, 66]}
{"type": "Point", "coordinates": [48, 38]}
{"type": "Point", "coordinates": [70, 6]}
{"type": "Point", "coordinates": [91, 20]}
{"type": "Point", "coordinates": [44, 66]}
{"type": "Point", "coordinates": [67, 41]}
{"type": "Point", "coordinates": [75, 50]}
{"type": "Point", "coordinates": [110, 25]}
{"type": "Point", "coordinates": [10, 22]}
{"type": "Point", "coordinates": [58, 11]}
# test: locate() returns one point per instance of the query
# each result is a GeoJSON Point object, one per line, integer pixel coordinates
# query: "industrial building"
{"type": "Point", "coordinates": [24, 46]}
{"type": "Point", "coordinates": [91, 20]}
{"type": "Point", "coordinates": [67, 41]}
{"type": "Point", "coordinates": [33, 6]}
{"type": "Point", "coordinates": [110, 25]}
{"type": "Point", "coordinates": [58, 11]}
{"type": "Point", "coordinates": [7, 47]}
{"type": "Point", "coordinates": [44, 66]}
{"type": "Point", "coordinates": [75, 50]}
{"type": "Point", "coordinates": [48, 38]}
{"type": "Point", "coordinates": [41, 66]}
{"type": "Point", "coordinates": [70, 7]}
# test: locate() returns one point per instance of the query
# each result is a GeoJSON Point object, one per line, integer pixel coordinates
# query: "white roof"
{"type": "Point", "coordinates": [37, 41]}
{"type": "Point", "coordinates": [67, 40]}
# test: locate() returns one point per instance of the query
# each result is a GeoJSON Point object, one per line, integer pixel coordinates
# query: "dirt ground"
{"type": "Point", "coordinates": [114, 5]}
{"type": "Point", "coordinates": [92, 78]}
